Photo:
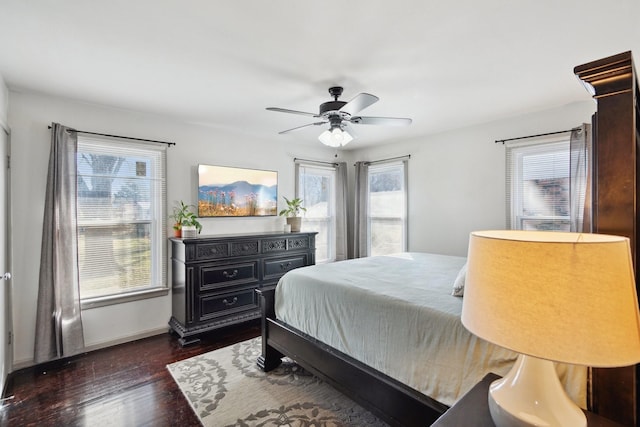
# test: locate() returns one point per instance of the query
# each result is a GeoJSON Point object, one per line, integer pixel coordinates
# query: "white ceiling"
{"type": "Point", "coordinates": [446, 64]}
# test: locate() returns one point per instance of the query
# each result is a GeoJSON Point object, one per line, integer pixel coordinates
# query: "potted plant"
{"type": "Point", "coordinates": [294, 207]}
{"type": "Point", "coordinates": [185, 221]}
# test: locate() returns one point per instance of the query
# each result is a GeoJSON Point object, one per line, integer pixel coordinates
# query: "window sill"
{"type": "Point", "coordinates": [89, 303]}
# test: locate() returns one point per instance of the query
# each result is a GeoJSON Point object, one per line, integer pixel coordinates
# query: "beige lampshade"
{"type": "Point", "coordinates": [566, 297]}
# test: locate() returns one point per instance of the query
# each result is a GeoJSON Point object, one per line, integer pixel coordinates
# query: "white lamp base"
{"type": "Point", "coordinates": [531, 395]}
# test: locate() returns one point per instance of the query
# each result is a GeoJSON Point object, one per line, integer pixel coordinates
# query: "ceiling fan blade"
{"type": "Point", "coordinates": [386, 121]}
{"type": "Point", "coordinates": [360, 102]}
{"type": "Point", "coordinates": [284, 110]}
{"type": "Point", "coordinates": [350, 128]}
{"type": "Point", "coordinates": [303, 126]}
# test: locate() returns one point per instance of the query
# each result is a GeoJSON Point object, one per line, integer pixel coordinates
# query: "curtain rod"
{"type": "Point", "coordinates": [408, 156]}
{"type": "Point", "coordinates": [534, 136]}
{"type": "Point", "coordinates": [295, 159]}
{"type": "Point", "coordinates": [118, 136]}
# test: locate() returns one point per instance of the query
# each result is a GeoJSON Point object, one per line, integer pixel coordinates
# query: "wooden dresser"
{"type": "Point", "coordinates": [214, 278]}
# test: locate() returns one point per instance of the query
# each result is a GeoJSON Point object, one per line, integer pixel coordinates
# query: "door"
{"type": "Point", "coordinates": [6, 347]}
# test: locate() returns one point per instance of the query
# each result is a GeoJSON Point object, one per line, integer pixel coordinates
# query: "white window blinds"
{"type": "Point", "coordinates": [121, 216]}
{"type": "Point", "coordinates": [387, 200]}
{"type": "Point", "coordinates": [317, 189]}
{"type": "Point", "coordinates": [538, 186]}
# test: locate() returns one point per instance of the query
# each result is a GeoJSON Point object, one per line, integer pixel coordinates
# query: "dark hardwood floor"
{"type": "Point", "coordinates": [124, 385]}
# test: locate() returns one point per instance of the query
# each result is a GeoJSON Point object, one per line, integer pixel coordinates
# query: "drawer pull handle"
{"type": "Point", "coordinates": [230, 276]}
{"type": "Point", "coordinates": [227, 303]}
{"type": "Point", "coordinates": [285, 266]}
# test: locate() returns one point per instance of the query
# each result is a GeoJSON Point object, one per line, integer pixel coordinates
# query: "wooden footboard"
{"type": "Point", "coordinates": [390, 400]}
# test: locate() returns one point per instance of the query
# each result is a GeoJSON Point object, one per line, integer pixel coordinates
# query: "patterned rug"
{"type": "Point", "coordinates": [226, 388]}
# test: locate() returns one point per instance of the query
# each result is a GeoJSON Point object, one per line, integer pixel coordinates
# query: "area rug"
{"type": "Point", "coordinates": [226, 388]}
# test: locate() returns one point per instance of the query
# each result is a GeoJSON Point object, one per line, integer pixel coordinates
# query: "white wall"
{"type": "Point", "coordinates": [29, 116]}
{"type": "Point", "coordinates": [457, 178]}
{"type": "Point", "coordinates": [456, 185]}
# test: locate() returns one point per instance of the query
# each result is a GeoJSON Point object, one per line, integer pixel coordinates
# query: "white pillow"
{"type": "Point", "coordinates": [458, 284]}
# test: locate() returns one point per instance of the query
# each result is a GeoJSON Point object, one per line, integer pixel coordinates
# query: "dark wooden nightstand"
{"type": "Point", "coordinates": [472, 410]}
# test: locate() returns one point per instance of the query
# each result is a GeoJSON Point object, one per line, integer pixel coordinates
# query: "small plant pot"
{"type": "Point", "coordinates": [189, 231]}
{"type": "Point", "coordinates": [295, 222]}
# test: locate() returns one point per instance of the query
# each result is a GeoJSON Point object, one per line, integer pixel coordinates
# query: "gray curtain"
{"type": "Point", "coordinates": [341, 211]}
{"type": "Point", "coordinates": [361, 211]}
{"type": "Point", "coordinates": [58, 320]}
{"type": "Point", "coordinates": [580, 179]}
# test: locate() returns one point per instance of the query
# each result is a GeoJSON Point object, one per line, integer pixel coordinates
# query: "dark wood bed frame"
{"type": "Point", "coordinates": [613, 393]}
{"type": "Point", "coordinates": [616, 194]}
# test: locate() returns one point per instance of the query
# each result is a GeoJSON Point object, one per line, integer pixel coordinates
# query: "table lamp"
{"type": "Point", "coordinates": [551, 297]}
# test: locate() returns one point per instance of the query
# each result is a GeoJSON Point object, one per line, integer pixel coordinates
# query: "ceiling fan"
{"type": "Point", "coordinates": [340, 115]}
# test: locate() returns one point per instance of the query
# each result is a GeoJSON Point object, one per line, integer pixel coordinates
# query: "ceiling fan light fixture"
{"type": "Point", "coordinates": [339, 114]}
{"type": "Point", "coordinates": [335, 137]}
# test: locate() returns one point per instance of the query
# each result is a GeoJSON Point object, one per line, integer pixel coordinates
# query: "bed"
{"type": "Point", "coordinates": [397, 315]}
{"type": "Point", "coordinates": [613, 393]}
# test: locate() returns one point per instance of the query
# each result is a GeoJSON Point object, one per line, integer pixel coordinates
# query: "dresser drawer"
{"type": "Point", "coordinates": [217, 305]}
{"type": "Point", "coordinates": [274, 268]}
{"type": "Point", "coordinates": [206, 251]}
{"type": "Point", "coordinates": [246, 248]}
{"type": "Point", "coordinates": [287, 244]}
{"type": "Point", "coordinates": [214, 276]}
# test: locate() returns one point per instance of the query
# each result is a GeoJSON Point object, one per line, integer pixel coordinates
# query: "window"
{"type": "Point", "coordinates": [387, 201]}
{"type": "Point", "coordinates": [317, 189]}
{"type": "Point", "coordinates": [538, 186]}
{"type": "Point", "coordinates": [121, 227]}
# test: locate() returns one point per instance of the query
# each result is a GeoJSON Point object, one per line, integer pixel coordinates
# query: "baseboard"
{"type": "Point", "coordinates": [129, 338]}
{"type": "Point", "coordinates": [26, 363]}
